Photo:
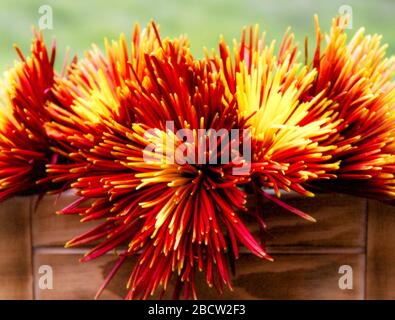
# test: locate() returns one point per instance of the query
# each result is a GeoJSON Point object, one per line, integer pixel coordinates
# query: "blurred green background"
{"type": "Point", "coordinates": [77, 24]}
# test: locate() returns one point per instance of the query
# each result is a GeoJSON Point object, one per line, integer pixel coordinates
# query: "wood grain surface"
{"type": "Point", "coordinates": [51, 229]}
{"type": "Point", "coordinates": [285, 228]}
{"type": "Point", "coordinates": [340, 222]}
{"type": "Point", "coordinates": [349, 231]}
{"type": "Point", "coordinates": [15, 250]}
{"type": "Point", "coordinates": [380, 277]}
{"type": "Point", "coordinates": [303, 276]}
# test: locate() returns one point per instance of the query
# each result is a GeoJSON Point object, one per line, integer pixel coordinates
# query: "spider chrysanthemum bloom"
{"type": "Point", "coordinates": [98, 88]}
{"type": "Point", "coordinates": [25, 148]}
{"type": "Point", "coordinates": [357, 77]}
{"type": "Point", "coordinates": [179, 217]}
{"type": "Point", "coordinates": [146, 130]}
{"type": "Point", "coordinates": [286, 135]}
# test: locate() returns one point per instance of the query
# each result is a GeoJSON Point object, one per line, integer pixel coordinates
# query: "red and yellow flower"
{"type": "Point", "coordinates": [357, 77]}
{"type": "Point", "coordinates": [113, 128]}
{"type": "Point", "coordinates": [25, 148]}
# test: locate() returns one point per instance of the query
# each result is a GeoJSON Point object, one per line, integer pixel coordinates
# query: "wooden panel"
{"type": "Point", "coordinates": [50, 229]}
{"type": "Point", "coordinates": [380, 278]}
{"type": "Point", "coordinates": [307, 255]}
{"type": "Point", "coordinates": [15, 250]}
{"type": "Point", "coordinates": [75, 280]}
{"type": "Point", "coordinates": [340, 222]}
{"type": "Point", "coordinates": [306, 276]}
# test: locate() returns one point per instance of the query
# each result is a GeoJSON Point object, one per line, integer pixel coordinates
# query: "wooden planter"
{"type": "Point", "coordinates": [350, 231]}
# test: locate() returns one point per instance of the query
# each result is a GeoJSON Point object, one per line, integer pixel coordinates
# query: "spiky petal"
{"type": "Point", "coordinates": [25, 149]}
